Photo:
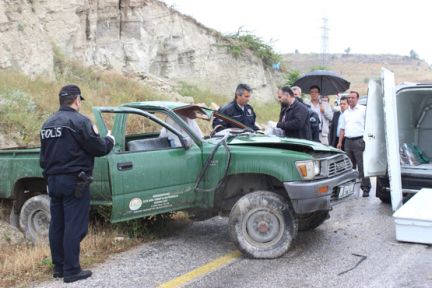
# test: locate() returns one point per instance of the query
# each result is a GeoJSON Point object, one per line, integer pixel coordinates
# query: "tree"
{"type": "Point", "coordinates": [347, 50]}
{"type": "Point", "coordinates": [291, 77]}
{"type": "Point", "coordinates": [413, 55]}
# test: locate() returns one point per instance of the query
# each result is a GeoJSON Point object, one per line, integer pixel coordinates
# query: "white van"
{"type": "Point", "coordinates": [395, 117]}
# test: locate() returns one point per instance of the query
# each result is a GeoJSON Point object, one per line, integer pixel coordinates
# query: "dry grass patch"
{"type": "Point", "coordinates": [22, 264]}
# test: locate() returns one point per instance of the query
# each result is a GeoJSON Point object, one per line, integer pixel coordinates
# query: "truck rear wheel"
{"type": "Point", "coordinates": [35, 218]}
{"type": "Point", "coordinates": [312, 220]}
{"type": "Point", "coordinates": [262, 225]}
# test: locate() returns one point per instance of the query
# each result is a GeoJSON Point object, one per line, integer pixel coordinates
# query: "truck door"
{"type": "Point", "coordinates": [381, 128]}
{"type": "Point", "coordinates": [152, 168]}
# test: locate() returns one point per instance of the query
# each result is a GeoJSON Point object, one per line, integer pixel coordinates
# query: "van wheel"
{"type": "Point", "coordinates": [262, 225]}
{"type": "Point", "coordinates": [381, 192]}
{"type": "Point", "coordinates": [311, 221]}
{"type": "Point", "coordinates": [35, 218]}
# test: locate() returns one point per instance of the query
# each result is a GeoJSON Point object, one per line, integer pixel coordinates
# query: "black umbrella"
{"type": "Point", "coordinates": [329, 82]}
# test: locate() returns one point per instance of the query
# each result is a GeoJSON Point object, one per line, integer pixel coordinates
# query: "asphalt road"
{"type": "Point", "coordinates": [319, 258]}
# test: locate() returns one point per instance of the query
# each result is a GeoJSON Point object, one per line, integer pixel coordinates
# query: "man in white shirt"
{"type": "Point", "coordinates": [351, 131]}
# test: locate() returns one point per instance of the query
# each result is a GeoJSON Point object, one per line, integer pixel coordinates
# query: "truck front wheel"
{"type": "Point", "coordinates": [262, 225]}
{"type": "Point", "coordinates": [35, 218]}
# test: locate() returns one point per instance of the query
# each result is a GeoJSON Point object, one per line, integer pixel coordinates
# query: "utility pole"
{"type": "Point", "coordinates": [324, 42]}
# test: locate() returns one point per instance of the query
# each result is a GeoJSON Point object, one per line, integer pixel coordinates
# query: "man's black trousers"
{"type": "Point", "coordinates": [354, 149]}
{"type": "Point", "coordinates": [69, 222]}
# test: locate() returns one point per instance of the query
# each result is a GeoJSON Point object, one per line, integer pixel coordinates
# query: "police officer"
{"type": "Point", "coordinates": [68, 147]}
{"type": "Point", "coordinates": [238, 109]}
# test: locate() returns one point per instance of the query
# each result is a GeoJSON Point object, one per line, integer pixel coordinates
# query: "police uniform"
{"type": "Point", "coordinates": [68, 147]}
{"type": "Point", "coordinates": [246, 115]}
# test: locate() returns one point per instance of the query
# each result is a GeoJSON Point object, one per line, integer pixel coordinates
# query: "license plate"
{"type": "Point", "coordinates": [346, 190]}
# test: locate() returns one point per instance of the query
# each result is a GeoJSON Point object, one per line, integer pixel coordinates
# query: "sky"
{"type": "Point", "coordinates": [364, 26]}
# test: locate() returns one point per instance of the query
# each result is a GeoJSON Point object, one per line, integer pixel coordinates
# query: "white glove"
{"type": "Point", "coordinates": [111, 136]}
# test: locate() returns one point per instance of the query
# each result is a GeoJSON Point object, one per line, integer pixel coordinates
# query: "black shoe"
{"type": "Point", "coordinates": [58, 274]}
{"type": "Point", "coordinates": [83, 274]}
{"type": "Point", "coordinates": [365, 194]}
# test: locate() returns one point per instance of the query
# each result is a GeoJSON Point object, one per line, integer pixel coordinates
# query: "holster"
{"type": "Point", "coordinates": [82, 184]}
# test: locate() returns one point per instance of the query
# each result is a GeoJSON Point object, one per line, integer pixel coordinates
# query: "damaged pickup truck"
{"type": "Point", "coordinates": [271, 187]}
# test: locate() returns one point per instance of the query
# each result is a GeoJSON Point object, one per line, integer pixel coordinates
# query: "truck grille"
{"type": "Point", "coordinates": [339, 165]}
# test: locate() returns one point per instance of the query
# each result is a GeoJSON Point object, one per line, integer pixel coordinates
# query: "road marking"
{"type": "Point", "coordinates": [201, 271]}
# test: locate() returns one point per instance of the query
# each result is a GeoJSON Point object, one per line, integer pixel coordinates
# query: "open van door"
{"type": "Point", "coordinates": [383, 94]}
{"type": "Point", "coordinates": [392, 137]}
{"type": "Point", "coordinates": [375, 164]}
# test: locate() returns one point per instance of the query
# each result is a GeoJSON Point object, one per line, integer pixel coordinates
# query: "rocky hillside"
{"type": "Point", "coordinates": [134, 37]}
{"type": "Point", "coordinates": [358, 69]}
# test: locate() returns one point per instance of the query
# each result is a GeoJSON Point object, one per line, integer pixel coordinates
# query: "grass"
{"type": "Point", "coordinates": [201, 96]}
{"type": "Point", "coordinates": [266, 111]}
{"type": "Point", "coordinates": [5, 208]}
{"type": "Point", "coordinates": [25, 103]}
{"type": "Point", "coordinates": [22, 264]}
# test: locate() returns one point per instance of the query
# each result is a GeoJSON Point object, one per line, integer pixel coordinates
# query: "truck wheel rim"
{"type": "Point", "coordinates": [263, 227]}
{"type": "Point", "coordinates": [39, 223]}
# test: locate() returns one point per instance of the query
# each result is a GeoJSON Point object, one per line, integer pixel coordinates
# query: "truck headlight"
{"type": "Point", "coordinates": [308, 169]}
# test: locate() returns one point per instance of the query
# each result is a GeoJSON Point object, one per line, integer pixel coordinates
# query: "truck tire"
{"type": "Point", "coordinates": [311, 221]}
{"type": "Point", "coordinates": [262, 225]}
{"type": "Point", "coordinates": [35, 218]}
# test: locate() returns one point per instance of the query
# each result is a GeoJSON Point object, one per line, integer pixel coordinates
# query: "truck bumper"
{"type": "Point", "coordinates": [306, 196]}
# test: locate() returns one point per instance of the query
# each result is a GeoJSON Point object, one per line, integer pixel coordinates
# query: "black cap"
{"type": "Point", "coordinates": [70, 90]}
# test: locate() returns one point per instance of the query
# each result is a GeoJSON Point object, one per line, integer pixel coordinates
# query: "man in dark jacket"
{"type": "Point", "coordinates": [294, 116]}
{"type": "Point", "coordinates": [314, 119]}
{"type": "Point", "coordinates": [238, 109]}
{"type": "Point", "coordinates": [69, 144]}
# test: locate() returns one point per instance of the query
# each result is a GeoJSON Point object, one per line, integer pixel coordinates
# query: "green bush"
{"type": "Point", "coordinates": [291, 76]}
{"type": "Point", "coordinates": [243, 40]}
{"type": "Point", "coordinates": [20, 114]}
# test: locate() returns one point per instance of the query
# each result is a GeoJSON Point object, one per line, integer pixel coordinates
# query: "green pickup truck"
{"type": "Point", "coordinates": [271, 187]}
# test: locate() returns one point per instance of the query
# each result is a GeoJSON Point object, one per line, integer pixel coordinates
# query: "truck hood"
{"type": "Point", "coordinates": [281, 143]}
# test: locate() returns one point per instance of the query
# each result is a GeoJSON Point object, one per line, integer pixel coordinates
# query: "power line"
{"type": "Point", "coordinates": [324, 42]}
